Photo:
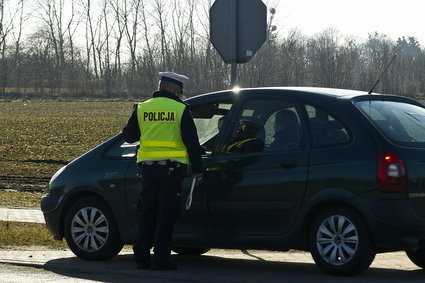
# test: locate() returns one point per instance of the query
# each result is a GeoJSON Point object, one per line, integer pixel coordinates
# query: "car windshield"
{"type": "Point", "coordinates": [400, 122]}
{"type": "Point", "coordinates": [209, 119]}
{"type": "Point", "coordinates": [121, 149]}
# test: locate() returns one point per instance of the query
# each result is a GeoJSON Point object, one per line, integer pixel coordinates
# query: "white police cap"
{"type": "Point", "coordinates": [173, 77]}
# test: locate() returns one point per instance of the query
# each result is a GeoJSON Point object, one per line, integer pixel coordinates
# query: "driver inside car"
{"type": "Point", "coordinates": [248, 138]}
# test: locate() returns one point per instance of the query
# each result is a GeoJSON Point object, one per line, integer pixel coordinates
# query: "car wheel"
{"type": "Point", "coordinates": [91, 231]}
{"type": "Point", "coordinates": [417, 257]}
{"type": "Point", "coordinates": [190, 251]}
{"type": "Point", "coordinates": [340, 242]}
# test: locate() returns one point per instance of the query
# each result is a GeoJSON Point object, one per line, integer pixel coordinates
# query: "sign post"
{"type": "Point", "coordinates": [238, 28]}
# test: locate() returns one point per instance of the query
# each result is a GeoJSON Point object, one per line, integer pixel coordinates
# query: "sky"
{"type": "Point", "coordinates": [359, 18]}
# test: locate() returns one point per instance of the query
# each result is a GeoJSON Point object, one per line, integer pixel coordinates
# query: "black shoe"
{"type": "Point", "coordinates": [164, 266]}
{"type": "Point", "coordinates": [143, 265]}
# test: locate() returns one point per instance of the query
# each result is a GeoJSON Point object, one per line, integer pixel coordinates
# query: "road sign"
{"type": "Point", "coordinates": [238, 28]}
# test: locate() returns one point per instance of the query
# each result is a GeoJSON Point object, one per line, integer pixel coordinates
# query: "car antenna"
{"type": "Point", "coordinates": [383, 73]}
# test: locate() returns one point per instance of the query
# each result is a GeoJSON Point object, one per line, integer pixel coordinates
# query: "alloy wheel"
{"type": "Point", "coordinates": [337, 240]}
{"type": "Point", "coordinates": [89, 229]}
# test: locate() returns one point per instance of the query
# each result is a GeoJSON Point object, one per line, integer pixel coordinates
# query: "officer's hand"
{"type": "Point", "coordinates": [197, 175]}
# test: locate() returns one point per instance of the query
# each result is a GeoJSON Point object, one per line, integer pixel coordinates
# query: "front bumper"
{"type": "Point", "coordinates": [51, 207]}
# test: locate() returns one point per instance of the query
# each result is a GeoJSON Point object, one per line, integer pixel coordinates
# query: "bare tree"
{"type": "Point", "coordinates": [322, 51]}
{"type": "Point", "coordinates": [179, 36]}
{"type": "Point", "coordinates": [128, 41]}
{"type": "Point", "coordinates": [378, 52]}
{"type": "Point", "coordinates": [39, 60]}
{"type": "Point", "coordinates": [5, 29]}
{"type": "Point", "coordinates": [90, 40]}
{"type": "Point", "coordinates": [118, 34]}
{"type": "Point", "coordinates": [348, 60]}
{"type": "Point", "coordinates": [161, 15]}
{"type": "Point", "coordinates": [130, 16]}
{"type": "Point", "coordinates": [71, 29]}
{"type": "Point", "coordinates": [17, 34]}
{"type": "Point", "coordinates": [60, 25]}
{"type": "Point", "coordinates": [107, 54]}
{"type": "Point", "coordinates": [149, 69]}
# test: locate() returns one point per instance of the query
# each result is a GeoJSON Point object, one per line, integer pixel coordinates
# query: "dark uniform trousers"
{"type": "Point", "coordinates": [159, 207]}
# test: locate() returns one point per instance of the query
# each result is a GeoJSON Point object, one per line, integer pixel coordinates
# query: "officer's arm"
{"type": "Point", "coordinates": [191, 141]}
{"type": "Point", "coordinates": [131, 131]}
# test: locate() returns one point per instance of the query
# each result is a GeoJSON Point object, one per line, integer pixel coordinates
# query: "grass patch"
{"type": "Point", "coordinates": [20, 199]}
{"type": "Point", "coordinates": [37, 138]}
{"type": "Point", "coordinates": [27, 234]}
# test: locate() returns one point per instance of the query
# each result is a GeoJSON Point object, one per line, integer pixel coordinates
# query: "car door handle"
{"type": "Point", "coordinates": [288, 164]}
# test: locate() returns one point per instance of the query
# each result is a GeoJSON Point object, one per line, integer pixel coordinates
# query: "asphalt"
{"type": "Point", "coordinates": [215, 266]}
{"type": "Point", "coordinates": [62, 262]}
{"type": "Point", "coordinates": [14, 214]}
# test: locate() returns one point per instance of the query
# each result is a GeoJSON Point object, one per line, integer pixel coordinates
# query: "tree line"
{"type": "Point", "coordinates": [115, 48]}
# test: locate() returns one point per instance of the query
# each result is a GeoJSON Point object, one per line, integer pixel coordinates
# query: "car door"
{"type": "Point", "coordinates": [195, 222]}
{"type": "Point", "coordinates": [256, 191]}
{"type": "Point", "coordinates": [124, 156]}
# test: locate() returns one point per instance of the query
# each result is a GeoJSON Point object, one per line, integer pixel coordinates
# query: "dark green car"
{"type": "Point", "coordinates": [339, 173]}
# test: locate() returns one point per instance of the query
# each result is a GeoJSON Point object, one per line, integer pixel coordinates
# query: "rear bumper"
{"type": "Point", "coordinates": [395, 225]}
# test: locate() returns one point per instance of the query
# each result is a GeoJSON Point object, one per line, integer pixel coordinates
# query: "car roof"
{"type": "Point", "coordinates": [320, 90]}
{"type": "Point", "coordinates": [330, 92]}
{"type": "Point", "coordinates": [325, 93]}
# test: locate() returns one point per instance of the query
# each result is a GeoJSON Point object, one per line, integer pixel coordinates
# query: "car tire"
{"type": "Point", "coordinates": [91, 231]}
{"type": "Point", "coordinates": [190, 251]}
{"type": "Point", "coordinates": [340, 242]}
{"type": "Point", "coordinates": [417, 257]}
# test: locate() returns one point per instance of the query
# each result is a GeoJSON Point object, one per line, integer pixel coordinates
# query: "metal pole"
{"type": "Point", "coordinates": [234, 42]}
{"type": "Point", "coordinates": [233, 75]}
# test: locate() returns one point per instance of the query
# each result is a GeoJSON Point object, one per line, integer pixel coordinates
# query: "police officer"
{"type": "Point", "coordinates": [168, 143]}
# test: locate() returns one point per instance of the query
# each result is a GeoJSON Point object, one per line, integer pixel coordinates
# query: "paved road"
{"type": "Point", "coordinates": [215, 266]}
{"type": "Point", "coordinates": [41, 265]}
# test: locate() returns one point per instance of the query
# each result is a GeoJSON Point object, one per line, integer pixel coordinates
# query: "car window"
{"type": "Point", "coordinates": [400, 122]}
{"type": "Point", "coordinates": [265, 125]}
{"type": "Point", "coordinates": [122, 149]}
{"type": "Point", "coordinates": [208, 119]}
{"type": "Point", "coordinates": [325, 129]}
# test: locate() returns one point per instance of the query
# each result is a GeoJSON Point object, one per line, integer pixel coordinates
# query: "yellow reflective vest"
{"type": "Point", "coordinates": [160, 135]}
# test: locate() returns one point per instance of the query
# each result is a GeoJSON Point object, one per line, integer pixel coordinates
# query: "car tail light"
{"type": "Point", "coordinates": [391, 172]}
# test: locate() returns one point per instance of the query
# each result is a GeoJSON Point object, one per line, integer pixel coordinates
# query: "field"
{"type": "Point", "coordinates": [37, 138]}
